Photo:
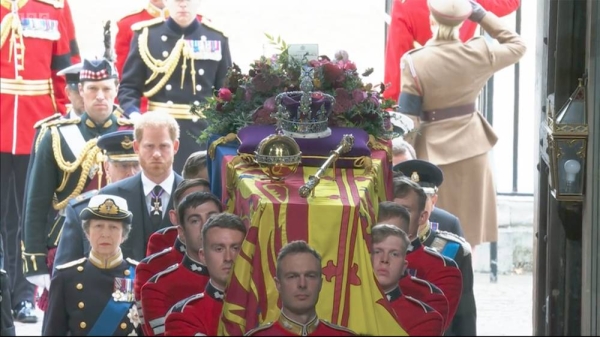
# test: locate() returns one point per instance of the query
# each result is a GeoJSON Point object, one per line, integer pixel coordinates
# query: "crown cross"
{"type": "Point", "coordinates": [156, 207]}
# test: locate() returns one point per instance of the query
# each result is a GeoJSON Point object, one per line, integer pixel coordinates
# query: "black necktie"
{"type": "Point", "coordinates": [156, 206]}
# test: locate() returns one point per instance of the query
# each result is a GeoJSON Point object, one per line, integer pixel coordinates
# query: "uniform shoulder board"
{"type": "Point", "coordinates": [124, 122]}
{"type": "Point", "coordinates": [84, 197]}
{"type": "Point", "coordinates": [43, 121]}
{"type": "Point", "coordinates": [132, 261]}
{"type": "Point", "coordinates": [448, 262]}
{"type": "Point", "coordinates": [448, 236]}
{"type": "Point", "coordinates": [156, 277]}
{"type": "Point", "coordinates": [165, 230]}
{"type": "Point", "coordinates": [163, 252]}
{"type": "Point", "coordinates": [258, 328]}
{"type": "Point", "coordinates": [337, 327]}
{"type": "Point", "coordinates": [71, 264]}
{"type": "Point", "coordinates": [423, 282]}
{"type": "Point", "coordinates": [146, 23]}
{"type": "Point", "coordinates": [63, 121]}
{"type": "Point", "coordinates": [55, 3]}
{"type": "Point", "coordinates": [425, 307]}
{"type": "Point", "coordinates": [210, 24]}
{"type": "Point", "coordinates": [179, 306]}
{"type": "Point", "coordinates": [118, 111]}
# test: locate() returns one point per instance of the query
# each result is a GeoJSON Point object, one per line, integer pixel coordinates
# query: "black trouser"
{"type": "Point", "coordinates": [13, 171]}
{"type": "Point", "coordinates": [7, 327]}
{"type": "Point", "coordinates": [189, 133]}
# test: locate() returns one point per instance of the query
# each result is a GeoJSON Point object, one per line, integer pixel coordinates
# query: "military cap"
{"type": "Point", "coordinates": [106, 206]}
{"type": "Point", "coordinates": [118, 146]}
{"type": "Point", "coordinates": [71, 74]}
{"type": "Point", "coordinates": [450, 12]}
{"type": "Point", "coordinates": [97, 70]}
{"type": "Point", "coordinates": [424, 173]}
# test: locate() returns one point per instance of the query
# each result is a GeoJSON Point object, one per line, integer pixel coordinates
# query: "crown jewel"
{"type": "Point", "coordinates": [305, 113]}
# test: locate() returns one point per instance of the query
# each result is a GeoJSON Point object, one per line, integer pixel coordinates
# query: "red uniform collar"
{"type": "Point", "coordinates": [298, 328]}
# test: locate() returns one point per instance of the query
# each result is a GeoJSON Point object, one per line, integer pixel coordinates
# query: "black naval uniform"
{"type": "Point", "coordinates": [203, 64]}
{"type": "Point", "coordinates": [8, 327]}
{"type": "Point", "coordinates": [456, 248]}
{"type": "Point", "coordinates": [84, 300]}
{"type": "Point", "coordinates": [47, 179]}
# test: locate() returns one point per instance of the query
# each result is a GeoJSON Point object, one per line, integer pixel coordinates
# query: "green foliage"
{"type": "Point", "coordinates": [249, 98]}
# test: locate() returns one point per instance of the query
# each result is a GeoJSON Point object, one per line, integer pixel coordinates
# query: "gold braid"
{"type": "Point", "coordinates": [86, 165]}
{"type": "Point", "coordinates": [166, 67]}
{"type": "Point", "coordinates": [85, 160]}
{"type": "Point", "coordinates": [65, 165]}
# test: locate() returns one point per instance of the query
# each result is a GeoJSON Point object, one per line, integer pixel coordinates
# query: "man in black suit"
{"type": "Point", "coordinates": [149, 193]}
{"type": "Point", "coordinates": [430, 177]}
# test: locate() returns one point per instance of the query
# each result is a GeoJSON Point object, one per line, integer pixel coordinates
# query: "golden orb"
{"type": "Point", "coordinates": [278, 156]}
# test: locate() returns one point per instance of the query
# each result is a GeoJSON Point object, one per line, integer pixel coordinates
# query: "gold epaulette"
{"type": "Point", "coordinates": [63, 121]}
{"type": "Point", "coordinates": [132, 261]}
{"type": "Point", "coordinates": [258, 328]}
{"type": "Point", "coordinates": [55, 3]}
{"type": "Point", "coordinates": [42, 121]}
{"type": "Point", "coordinates": [118, 111]}
{"type": "Point", "coordinates": [125, 122]}
{"type": "Point", "coordinates": [71, 264]}
{"type": "Point", "coordinates": [147, 23]}
{"type": "Point", "coordinates": [210, 24]}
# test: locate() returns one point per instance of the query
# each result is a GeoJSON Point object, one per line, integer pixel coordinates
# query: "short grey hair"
{"type": "Point", "coordinates": [400, 146]}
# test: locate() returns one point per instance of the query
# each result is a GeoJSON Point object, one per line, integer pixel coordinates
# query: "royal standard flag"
{"type": "Point", "coordinates": [336, 222]}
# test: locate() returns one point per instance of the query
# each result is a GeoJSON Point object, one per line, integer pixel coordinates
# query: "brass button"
{"type": "Point", "coordinates": [80, 268]}
{"type": "Point", "coordinates": [82, 325]}
{"type": "Point", "coordinates": [126, 272]}
{"type": "Point", "coordinates": [79, 286]}
{"type": "Point", "coordinates": [165, 53]}
{"type": "Point", "coordinates": [81, 305]}
{"type": "Point", "coordinates": [123, 326]}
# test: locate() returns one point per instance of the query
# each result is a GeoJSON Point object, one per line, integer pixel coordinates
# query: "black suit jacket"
{"type": "Point", "coordinates": [131, 189]}
{"type": "Point", "coordinates": [447, 221]}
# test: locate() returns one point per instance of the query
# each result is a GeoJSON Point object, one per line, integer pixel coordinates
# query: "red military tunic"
{"type": "Point", "coordinates": [73, 46]}
{"type": "Point", "coordinates": [161, 239]}
{"type": "Point", "coordinates": [167, 288]}
{"type": "Point", "coordinates": [284, 326]}
{"type": "Point", "coordinates": [410, 24]}
{"type": "Point", "coordinates": [197, 315]}
{"type": "Point", "coordinates": [124, 33]}
{"type": "Point", "coordinates": [414, 316]}
{"type": "Point", "coordinates": [35, 48]}
{"type": "Point", "coordinates": [152, 265]}
{"type": "Point", "coordinates": [427, 293]}
{"type": "Point", "coordinates": [427, 264]}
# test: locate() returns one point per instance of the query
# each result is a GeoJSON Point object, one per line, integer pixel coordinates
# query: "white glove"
{"type": "Point", "coordinates": [42, 281]}
{"type": "Point", "coordinates": [133, 116]}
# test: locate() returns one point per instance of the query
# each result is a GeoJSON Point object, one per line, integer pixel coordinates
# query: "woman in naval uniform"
{"type": "Point", "coordinates": [440, 84]}
{"type": "Point", "coordinates": [93, 296]}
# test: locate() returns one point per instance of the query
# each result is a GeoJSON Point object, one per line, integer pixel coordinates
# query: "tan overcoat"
{"type": "Point", "coordinates": [447, 74]}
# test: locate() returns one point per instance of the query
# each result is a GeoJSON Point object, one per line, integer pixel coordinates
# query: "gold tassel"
{"type": "Point", "coordinates": [374, 144]}
{"type": "Point", "coordinates": [213, 146]}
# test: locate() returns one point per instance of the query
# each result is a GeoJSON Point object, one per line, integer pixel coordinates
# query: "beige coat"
{"type": "Point", "coordinates": [448, 74]}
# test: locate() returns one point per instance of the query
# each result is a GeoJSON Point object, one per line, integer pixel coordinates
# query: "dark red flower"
{"type": "Point", "coordinates": [225, 94]}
